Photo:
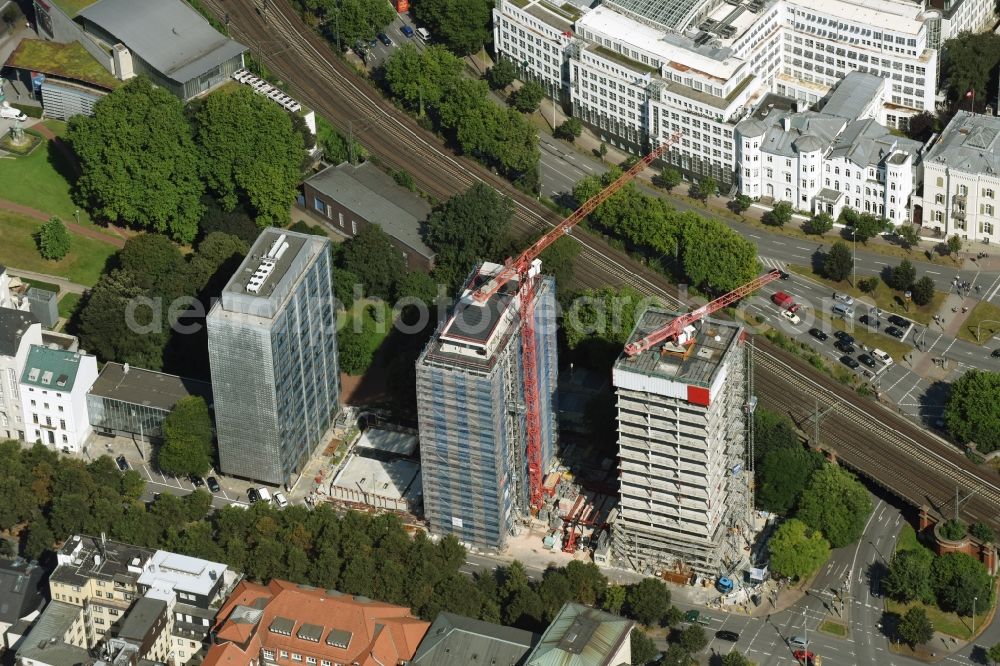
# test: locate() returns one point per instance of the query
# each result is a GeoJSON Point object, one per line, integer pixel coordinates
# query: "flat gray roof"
{"type": "Point", "coordinates": [13, 325]}
{"type": "Point", "coordinates": [373, 195]}
{"type": "Point", "coordinates": [698, 366]}
{"type": "Point", "coordinates": [53, 623]}
{"type": "Point", "coordinates": [673, 14]}
{"type": "Point", "coordinates": [168, 34]}
{"type": "Point", "coordinates": [454, 640]}
{"type": "Point", "coordinates": [141, 617]}
{"type": "Point", "coordinates": [853, 94]}
{"type": "Point", "coordinates": [147, 387]}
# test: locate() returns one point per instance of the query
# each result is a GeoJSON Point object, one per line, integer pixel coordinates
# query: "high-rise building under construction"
{"type": "Point", "coordinates": [471, 409]}
{"type": "Point", "coordinates": [684, 449]}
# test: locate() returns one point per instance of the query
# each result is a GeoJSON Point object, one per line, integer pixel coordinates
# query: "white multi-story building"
{"type": "Point", "coordinates": [962, 179]}
{"type": "Point", "coordinates": [638, 71]}
{"type": "Point", "coordinates": [19, 330]}
{"type": "Point", "coordinates": [830, 160]}
{"type": "Point", "coordinates": [54, 385]}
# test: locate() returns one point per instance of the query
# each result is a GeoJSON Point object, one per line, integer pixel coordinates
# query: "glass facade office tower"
{"type": "Point", "coordinates": [470, 405]}
{"type": "Point", "coordinates": [272, 345]}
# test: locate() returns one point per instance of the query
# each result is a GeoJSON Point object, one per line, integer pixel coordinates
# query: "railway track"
{"type": "Point", "coordinates": [912, 463]}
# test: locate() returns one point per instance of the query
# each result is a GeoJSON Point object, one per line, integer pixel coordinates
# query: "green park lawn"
{"type": "Point", "coordinates": [982, 312]}
{"type": "Point", "coordinates": [84, 263]}
{"type": "Point", "coordinates": [68, 304]}
{"type": "Point", "coordinates": [885, 297]}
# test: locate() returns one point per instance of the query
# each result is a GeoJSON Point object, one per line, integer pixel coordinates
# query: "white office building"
{"type": "Point", "coordinates": [962, 179]}
{"type": "Point", "coordinates": [637, 71]}
{"type": "Point", "coordinates": [830, 160]}
{"type": "Point", "coordinates": [54, 385]}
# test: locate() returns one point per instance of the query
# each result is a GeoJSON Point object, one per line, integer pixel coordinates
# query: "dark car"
{"type": "Point", "coordinates": [894, 332]}
{"type": "Point", "coordinates": [373, 43]}
{"type": "Point", "coordinates": [869, 321]}
{"type": "Point", "coordinates": [818, 334]}
{"type": "Point", "coordinates": [844, 336]}
{"type": "Point", "coordinates": [782, 274]}
{"type": "Point", "coordinates": [213, 485]}
{"type": "Point", "coordinates": [996, 353]}
{"type": "Point", "coordinates": [844, 346]}
{"type": "Point", "coordinates": [726, 635]}
{"type": "Point", "coordinates": [867, 360]}
{"type": "Point", "coordinates": [252, 495]}
{"type": "Point", "coordinates": [197, 481]}
{"type": "Point", "coordinates": [849, 361]}
{"type": "Point", "coordinates": [122, 463]}
{"type": "Point", "coordinates": [407, 31]}
{"type": "Point", "coordinates": [899, 321]}
{"type": "Point", "coordinates": [384, 38]}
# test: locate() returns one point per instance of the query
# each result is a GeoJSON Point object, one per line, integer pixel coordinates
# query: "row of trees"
{"type": "Point", "coordinates": [146, 161]}
{"type": "Point", "coordinates": [703, 251]}
{"type": "Point", "coordinates": [431, 83]}
{"type": "Point", "coordinates": [838, 264]}
{"type": "Point", "coordinates": [49, 498]}
{"type": "Point", "coordinates": [346, 22]}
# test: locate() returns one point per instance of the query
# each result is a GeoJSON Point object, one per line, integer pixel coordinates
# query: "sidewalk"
{"type": "Point", "coordinates": [65, 286]}
{"type": "Point", "coordinates": [117, 241]}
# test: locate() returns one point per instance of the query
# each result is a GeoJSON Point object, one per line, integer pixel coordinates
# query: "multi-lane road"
{"type": "Point", "coordinates": [322, 81]}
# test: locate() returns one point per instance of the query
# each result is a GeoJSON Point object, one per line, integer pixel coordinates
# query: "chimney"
{"type": "Point", "coordinates": [786, 123]}
{"type": "Point", "coordinates": [124, 68]}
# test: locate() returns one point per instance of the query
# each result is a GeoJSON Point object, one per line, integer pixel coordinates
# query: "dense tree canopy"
{"type": "Point", "coordinates": [187, 439]}
{"type": "Point", "coordinates": [376, 262]}
{"type": "Point", "coordinates": [915, 627]}
{"type": "Point", "coordinates": [598, 322]}
{"type": "Point", "coordinates": [818, 224]}
{"type": "Point", "coordinates": [838, 262]}
{"type": "Point", "coordinates": [420, 79]}
{"type": "Point", "coordinates": [462, 25]}
{"type": "Point", "coordinates": [958, 579]}
{"type": "Point", "coordinates": [971, 64]}
{"type": "Point", "coordinates": [352, 20]}
{"type": "Point", "coordinates": [909, 577]}
{"type": "Point", "coordinates": [250, 153]}
{"type": "Point", "coordinates": [470, 227]}
{"type": "Point", "coordinates": [648, 601]}
{"type": "Point", "coordinates": [772, 432]}
{"type": "Point", "coordinates": [835, 503]}
{"type": "Point", "coordinates": [782, 476]}
{"type": "Point", "coordinates": [797, 550]}
{"type": "Point", "coordinates": [502, 74]}
{"type": "Point", "coordinates": [527, 98]}
{"type": "Point", "coordinates": [973, 412]}
{"type": "Point", "coordinates": [558, 259]}
{"type": "Point", "coordinates": [716, 258]}
{"type": "Point", "coordinates": [138, 161]}
{"type": "Point", "coordinates": [902, 276]}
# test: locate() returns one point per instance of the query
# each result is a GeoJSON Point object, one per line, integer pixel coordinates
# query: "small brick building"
{"type": "Point", "coordinates": [350, 197]}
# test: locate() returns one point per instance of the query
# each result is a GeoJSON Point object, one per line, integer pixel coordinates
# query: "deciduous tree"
{"type": "Point", "coordinates": [972, 412]}
{"type": "Point", "coordinates": [647, 601]}
{"type": "Point", "coordinates": [797, 550]}
{"type": "Point", "coordinates": [838, 263]}
{"type": "Point", "coordinates": [669, 178]}
{"type": "Point", "coordinates": [780, 215]}
{"type": "Point", "coordinates": [818, 224]}
{"type": "Point", "coordinates": [714, 257]}
{"type": "Point", "coordinates": [781, 477]}
{"type": "Point", "coordinates": [139, 164]}
{"type": "Point", "coordinates": [527, 98]}
{"type": "Point", "coordinates": [502, 74]}
{"type": "Point", "coordinates": [569, 130]}
{"type": "Point", "coordinates": [462, 25]}
{"type": "Point", "coordinates": [705, 188]}
{"type": "Point", "coordinates": [923, 290]}
{"type": "Point", "coordinates": [116, 323]}
{"type": "Point", "coordinates": [377, 263]}
{"type": "Point", "coordinates": [187, 439]}
{"type": "Point", "coordinates": [739, 204]}
{"type": "Point", "coordinates": [54, 239]}
{"type": "Point", "coordinates": [420, 79]}
{"type": "Point", "coordinates": [915, 628]}
{"type": "Point", "coordinates": [836, 504]}
{"type": "Point", "coordinates": [643, 648]}
{"type": "Point", "coordinates": [902, 276]}
{"type": "Point", "coordinates": [908, 235]}
{"type": "Point", "coordinates": [909, 577]}
{"type": "Point", "coordinates": [734, 658]}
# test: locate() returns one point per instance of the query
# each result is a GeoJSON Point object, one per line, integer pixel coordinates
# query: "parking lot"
{"type": "Point", "coordinates": [377, 52]}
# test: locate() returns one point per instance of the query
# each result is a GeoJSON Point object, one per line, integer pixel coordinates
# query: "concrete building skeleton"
{"type": "Point", "coordinates": [684, 450]}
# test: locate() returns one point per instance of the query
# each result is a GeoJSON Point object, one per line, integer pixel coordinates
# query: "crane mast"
{"type": "Point", "coordinates": [519, 268]}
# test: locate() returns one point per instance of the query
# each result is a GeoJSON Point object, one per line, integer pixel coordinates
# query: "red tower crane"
{"type": "Point", "coordinates": [674, 328]}
{"type": "Point", "coordinates": [519, 268]}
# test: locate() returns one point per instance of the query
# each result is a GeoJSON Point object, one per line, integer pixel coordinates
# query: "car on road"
{"type": "Point", "coordinates": [782, 274]}
{"type": "Point", "coordinates": [867, 360]}
{"type": "Point", "coordinates": [818, 334]}
{"type": "Point", "coordinates": [849, 361]}
{"type": "Point", "coordinates": [252, 495]}
{"type": "Point", "coordinates": [213, 484]}
{"type": "Point", "coordinates": [799, 642]}
{"type": "Point", "coordinates": [197, 481]}
{"type": "Point", "coordinates": [783, 300]}
{"type": "Point", "coordinates": [894, 332]}
{"type": "Point", "coordinates": [807, 658]}
{"type": "Point", "coordinates": [844, 346]}
{"type": "Point", "coordinates": [843, 298]}
{"type": "Point", "coordinates": [726, 635]}
{"type": "Point", "coordinates": [280, 500]}
{"type": "Point", "coordinates": [122, 463]}
{"type": "Point", "coordinates": [881, 356]}
{"type": "Point", "coordinates": [996, 353]}
{"type": "Point", "coordinates": [844, 335]}
{"type": "Point", "coordinates": [384, 38]}
{"type": "Point", "coordinates": [896, 320]}
{"type": "Point", "coordinates": [407, 31]}
{"type": "Point", "coordinates": [791, 317]}
{"type": "Point", "coordinates": [870, 321]}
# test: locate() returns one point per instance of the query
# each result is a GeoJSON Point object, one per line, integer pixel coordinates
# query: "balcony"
{"type": "Point", "coordinates": [958, 213]}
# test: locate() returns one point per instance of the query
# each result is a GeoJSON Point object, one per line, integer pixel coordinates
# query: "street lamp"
{"type": "Point", "coordinates": [974, 600]}
{"type": "Point", "coordinates": [854, 258]}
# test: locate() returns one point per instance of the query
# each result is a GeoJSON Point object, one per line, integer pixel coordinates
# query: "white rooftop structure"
{"type": "Point", "coordinates": [181, 573]}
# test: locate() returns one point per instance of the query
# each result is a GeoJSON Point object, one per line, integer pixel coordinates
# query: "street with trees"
{"type": "Point", "coordinates": [818, 224]}
{"type": "Point", "coordinates": [739, 204]}
{"type": "Point", "coordinates": [527, 98]}
{"type": "Point", "coordinates": [53, 239]}
{"type": "Point", "coordinates": [706, 187]}
{"type": "Point", "coordinates": [923, 290]}
{"type": "Point", "coordinates": [569, 130]}
{"type": "Point", "coordinates": [797, 550]}
{"type": "Point", "coordinates": [835, 503]}
{"type": "Point", "coordinates": [862, 226]}
{"type": "Point", "coordinates": [462, 25]}
{"type": "Point", "coordinates": [779, 215]}
{"type": "Point", "coordinates": [138, 161]}
{"type": "Point", "coordinates": [187, 439]}
{"type": "Point", "coordinates": [668, 178]}
{"type": "Point", "coordinates": [901, 277]}
{"type": "Point", "coordinates": [908, 235]}
{"type": "Point", "coordinates": [838, 262]}
{"type": "Point", "coordinates": [972, 412]}
{"type": "Point", "coordinates": [502, 74]}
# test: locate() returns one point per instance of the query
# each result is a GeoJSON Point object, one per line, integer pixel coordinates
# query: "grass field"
{"type": "Point", "coordinates": [68, 304]}
{"type": "Point", "coordinates": [84, 263]}
{"type": "Point", "coordinates": [907, 539]}
{"type": "Point", "coordinates": [983, 312]}
{"type": "Point", "coordinates": [884, 297]}
{"type": "Point", "coordinates": [947, 623]}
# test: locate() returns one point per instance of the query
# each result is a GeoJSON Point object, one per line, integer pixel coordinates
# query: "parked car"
{"type": "Point", "coordinates": [881, 356]}
{"type": "Point", "coordinates": [844, 346]}
{"type": "Point", "coordinates": [384, 38]}
{"type": "Point", "coordinates": [122, 463]}
{"type": "Point", "coordinates": [844, 336]}
{"type": "Point", "coordinates": [407, 31]}
{"type": "Point", "coordinates": [843, 298]}
{"type": "Point", "coordinates": [798, 641]}
{"type": "Point", "coordinates": [726, 635]}
{"type": "Point", "coordinates": [806, 658]}
{"type": "Point", "coordinates": [867, 360]}
{"type": "Point", "coordinates": [280, 500]}
{"type": "Point", "coordinates": [818, 334]}
{"type": "Point", "coordinates": [791, 317]}
{"type": "Point", "coordinates": [197, 481]}
{"type": "Point", "coordinates": [996, 353]}
{"type": "Point", "coordinates": [252, 495]}
{"type": "Point", "coordinates": [264, 494]}
{"type": "Point", "coordinates": [896, 320]}
{"type": "Point", "coordinates": [213, 485]}
{"type": "Point", "coordinates": [894, 332]}
{"type": "Point", "coordinates": [849, 361]}
{"type": "Point", "coordinates": [870, 321]}
{"type": "Point", "coordinates": [782, 300]}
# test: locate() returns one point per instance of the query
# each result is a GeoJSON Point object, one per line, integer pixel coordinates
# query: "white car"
{"type": "Point", "coordinates": [280, 500]}
{"type": "Point", "coordinates": [791, 317]}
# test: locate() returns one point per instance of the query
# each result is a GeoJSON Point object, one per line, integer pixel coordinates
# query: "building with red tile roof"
{"type": "Point", "coordinates": [296, 625]}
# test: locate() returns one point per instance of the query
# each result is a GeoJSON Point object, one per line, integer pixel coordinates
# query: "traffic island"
{"type": "Point", "coordinates": [834, 628]}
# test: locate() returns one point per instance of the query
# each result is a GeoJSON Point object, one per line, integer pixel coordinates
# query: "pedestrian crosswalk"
{"type": "Point", "coordinates": [772, 263]}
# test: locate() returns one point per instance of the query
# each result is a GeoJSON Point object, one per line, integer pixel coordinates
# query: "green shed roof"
{"type": "Point", "coordinates": [53, 369]}
{"type": "Point", "coordinates": [581, 636]}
